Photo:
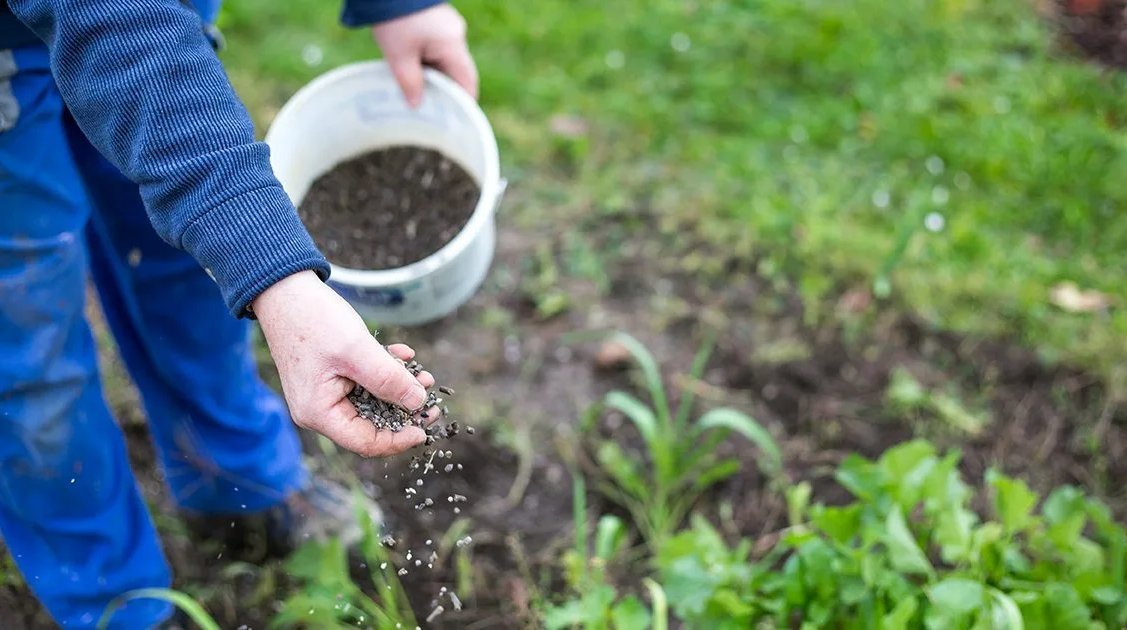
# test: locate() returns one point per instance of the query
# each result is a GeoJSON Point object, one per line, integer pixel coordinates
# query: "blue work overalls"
{"type": "Point", "coordinates": [70, 511]}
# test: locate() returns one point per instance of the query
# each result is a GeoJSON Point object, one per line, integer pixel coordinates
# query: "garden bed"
{"type": "Point", "coordinates": [525, 380]}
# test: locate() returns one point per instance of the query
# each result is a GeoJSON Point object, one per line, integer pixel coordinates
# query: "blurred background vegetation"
{"type": "Point", "coordinates": [941, 154]}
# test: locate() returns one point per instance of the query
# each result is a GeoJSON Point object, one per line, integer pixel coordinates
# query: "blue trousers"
{"type": "Point", "coordinates": [70, 510]}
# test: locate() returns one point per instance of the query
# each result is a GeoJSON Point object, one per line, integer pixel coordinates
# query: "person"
{"type": "Point", "coordinates": [127, 160]}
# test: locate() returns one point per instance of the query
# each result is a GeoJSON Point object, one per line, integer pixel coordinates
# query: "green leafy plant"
{"type": "Point", "coordinates": [909, 552]}
{"type": "Point", "coordinates": [327, 597]}
{"type": "Point", "coordinates": [681, 455]}
{"type": "Point", "coordinates": [597, 604]}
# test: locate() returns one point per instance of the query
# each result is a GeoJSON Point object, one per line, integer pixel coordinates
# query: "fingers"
{"type": "Point", "coordinates": [455, 61]}
{"type": "Point", "coordinates": [426, 379]}
{"type": "Point", "coordinates": [404, 352]}
{"type": "Point", "coordinates": [387, 379]}
{"type": "Point", "coordinates": [358, 435]}
{"type": "Point", "coordinates": [408, 71]}
{"type": "Point", "coordinates": [401, 351]}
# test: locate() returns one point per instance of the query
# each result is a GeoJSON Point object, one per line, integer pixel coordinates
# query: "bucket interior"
{"type": "Point", "coordinates": [348, 113]}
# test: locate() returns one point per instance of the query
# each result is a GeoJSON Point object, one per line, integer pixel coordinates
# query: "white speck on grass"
{"type": "Point", "coordinates": [312, 55]}
{"type": "Point", "coordinates": [962, 180]}
{"type": "Point", "coordinates": [934, 165]}
{"type": "Point", "coordinates": [881, 198]}
{"type": "Point", "coordinates": [940, 195]}
{"type": "Point", "coordinates": [615, 59]}
{"type": "Point", "coordinates": [680, 42]}
{"type": "Point", "coordinates": [934, 222]}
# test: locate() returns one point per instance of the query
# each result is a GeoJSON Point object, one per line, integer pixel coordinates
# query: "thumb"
{"type": "Point", "coordinates": [408, 71]}
{"type": "Point", "coordinates": [385, 377]}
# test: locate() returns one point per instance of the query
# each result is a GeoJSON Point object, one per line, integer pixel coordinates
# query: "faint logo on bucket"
{"type": "Point", "coordinates": [383, 105]}
{"type": "Point", "coordinates": [371, 297]}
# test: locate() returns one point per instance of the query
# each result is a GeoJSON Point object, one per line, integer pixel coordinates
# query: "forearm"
{"type": "Point", "coordinates": [144, 85]}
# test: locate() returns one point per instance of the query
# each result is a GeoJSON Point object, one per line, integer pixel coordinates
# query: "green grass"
{"type": "Point", "coordinates": [815, 133]}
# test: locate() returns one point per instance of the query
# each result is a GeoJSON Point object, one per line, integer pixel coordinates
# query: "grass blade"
{"type": "Point", "coordinates": [688, 396]}
{"type": "Point", "coordinates": [650, 372]}
{"type": "Point", "coordinates": [579, 515]}
{"type": "Point", "coordinates": [660, 605]}
{"type": "Point", "coordinates": [772, 461]}
{"type": "Point", "coordinates": [610, 536]}
{"type": "Point", "coordinates": [183, 601]}
{"type": "Point", "coordinates": [714, 474]}
{"type": "Point", "coordinates": [622, 469]}
{"type": "Point", "coordinates": [638, 413]}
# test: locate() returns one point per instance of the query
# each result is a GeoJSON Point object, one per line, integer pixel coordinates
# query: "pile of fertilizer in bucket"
{"type": "Point", "coordinates": [388, 208]}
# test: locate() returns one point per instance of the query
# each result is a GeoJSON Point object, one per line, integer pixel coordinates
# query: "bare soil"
{"type": "Point", "coordinates": [1096, 28]}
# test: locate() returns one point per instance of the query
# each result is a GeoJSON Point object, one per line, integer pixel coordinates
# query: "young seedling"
{"type": "Point", "coordinates": [682, 462]}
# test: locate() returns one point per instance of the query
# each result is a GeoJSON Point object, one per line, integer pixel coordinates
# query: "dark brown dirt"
{"type": "Point", "coordinates": [1098, 28]}
{"type": "Point", "coordinates": [388, 208]}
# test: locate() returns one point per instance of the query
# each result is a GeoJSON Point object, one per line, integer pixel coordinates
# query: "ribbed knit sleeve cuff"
{"type": "Point", "coordinates": [250, 242]}
{"type": "Point", "coordinates": [367, 12]}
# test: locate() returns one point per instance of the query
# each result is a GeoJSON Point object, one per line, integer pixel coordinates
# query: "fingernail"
{"type": "Point", "coordinates": [414, 398]}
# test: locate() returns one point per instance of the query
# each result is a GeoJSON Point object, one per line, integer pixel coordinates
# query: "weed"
{"type": "Point", "coordinates": [597, 604]}
{"type": "Point", "coordinates": [681, 455]}
{"type": "Point", "coordinates": [326, 595]}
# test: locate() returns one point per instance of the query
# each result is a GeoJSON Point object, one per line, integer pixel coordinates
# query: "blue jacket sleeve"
{"type": "Point", "coordinates": [146, 88]}
{"type": "Point", "coordinates": [368, 12]}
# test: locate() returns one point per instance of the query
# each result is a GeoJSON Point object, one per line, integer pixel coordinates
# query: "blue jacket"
{"type": "Point", "coordinates": [142, 82]}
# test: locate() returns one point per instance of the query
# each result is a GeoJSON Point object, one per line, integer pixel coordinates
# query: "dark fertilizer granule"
{"type": "Point", "coordinates": [387, 416]}
{"type": "Point", "coordinates": [388, 208]}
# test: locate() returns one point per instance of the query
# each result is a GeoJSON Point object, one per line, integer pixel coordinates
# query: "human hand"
{"type": "Point", "coordinates": [435, 36]}
{"type": "Point", "coordinates": [322, 349]}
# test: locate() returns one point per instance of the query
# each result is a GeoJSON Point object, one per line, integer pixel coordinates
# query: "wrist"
{"type": "Point", "coordinates": [282, 292]}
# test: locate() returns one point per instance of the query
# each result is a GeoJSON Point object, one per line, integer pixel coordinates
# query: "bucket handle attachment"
{"type": "Point", "coordinates": [502, 186]}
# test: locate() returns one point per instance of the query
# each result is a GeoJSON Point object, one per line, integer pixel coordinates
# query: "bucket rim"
{"type": "Point", "coordinates": [491, 184]}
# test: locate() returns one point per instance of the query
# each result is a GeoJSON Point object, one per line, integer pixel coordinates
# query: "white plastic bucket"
{"type": "Point", "coordinates": [358, 108]}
